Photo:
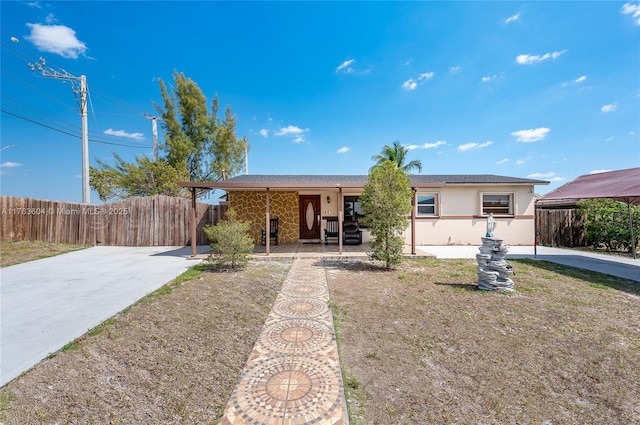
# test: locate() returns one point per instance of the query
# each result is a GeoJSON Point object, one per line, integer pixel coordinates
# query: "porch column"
{"type": "Point", "coordinates": [413, 222]}
{"type": "Point", "coordinates": [193, 222]}
{"type": "Point", "coordinates": [267, 225]}
{"type": "Point", "coordinates": [340, 218]}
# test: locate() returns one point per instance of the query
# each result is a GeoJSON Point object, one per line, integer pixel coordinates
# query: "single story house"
{"type": "Point", "coordinates": [447, 209]}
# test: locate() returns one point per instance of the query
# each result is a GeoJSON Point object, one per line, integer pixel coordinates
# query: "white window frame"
{"type": "Point", "coordinates": [511, 207]}
{"type": "Point", "coordinates": [436, 204]}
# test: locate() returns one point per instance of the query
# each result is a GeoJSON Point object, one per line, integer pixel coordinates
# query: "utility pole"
{"type": "Point", "coordinates": [154, 129]}
{"type": "Point", "coordinates": [79, 87]}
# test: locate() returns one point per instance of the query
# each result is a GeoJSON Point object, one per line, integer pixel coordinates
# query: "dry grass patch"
{"type": "Point", "coordinates": [421, 345]}
{"type": "Point", "coordinates": [16, 252]}
{"type": "Point", "coordinates": [172, 358]}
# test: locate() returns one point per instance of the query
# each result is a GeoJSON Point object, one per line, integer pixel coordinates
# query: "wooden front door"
{"type": "Point", "coordinates": [309, 216]}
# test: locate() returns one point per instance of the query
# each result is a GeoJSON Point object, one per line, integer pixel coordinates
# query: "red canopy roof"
{"type": "Point", "coordinates": [622, 185]}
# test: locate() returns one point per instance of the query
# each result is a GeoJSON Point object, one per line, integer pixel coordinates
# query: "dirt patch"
{"type": "Point", "coordinates": [421, 345]}
{"type": "Point", "coordinates": [172, 358]}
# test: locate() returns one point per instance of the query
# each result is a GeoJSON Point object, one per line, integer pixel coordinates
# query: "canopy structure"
{"type": "Point", "coordinates": [621, 185]}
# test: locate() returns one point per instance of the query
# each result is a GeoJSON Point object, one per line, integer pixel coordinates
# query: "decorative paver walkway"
{"type": "Point", "coordinates": [293, 375]}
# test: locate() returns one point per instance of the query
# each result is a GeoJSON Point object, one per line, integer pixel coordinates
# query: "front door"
{"type": "Point", "coordinates": [309, 216]}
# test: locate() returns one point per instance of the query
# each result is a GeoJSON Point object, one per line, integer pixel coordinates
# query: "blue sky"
{"type": "Point", "coordinates": [546, 90]}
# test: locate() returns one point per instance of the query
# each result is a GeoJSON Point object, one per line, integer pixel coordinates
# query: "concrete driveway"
{"type": "Point", "coordinates": [47, 303]}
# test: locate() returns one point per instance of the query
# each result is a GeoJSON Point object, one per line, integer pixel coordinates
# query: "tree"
{"type": "Point", "coordinates": [195, 138]}
{"type": "Point", "coordinates": [230, 242]}
{"type": "Point", "coordinates": [198, 146]}
{"type": "Point", "coordinates": [144, 178]}
{"type": "Point", "coordinates": [397, 154]}
{"type": "Point", "coordinates": [386, 202]}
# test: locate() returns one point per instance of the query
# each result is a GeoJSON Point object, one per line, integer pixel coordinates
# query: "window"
{"type": "Point", "coordinates": [352, 208]}
{"type": "Point", "coordinates": [497, 203]}
{"type": "Point", "coordinates": [427, 205]}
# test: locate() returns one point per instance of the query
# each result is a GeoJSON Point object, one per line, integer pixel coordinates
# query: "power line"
{"type": "Point", "coordinates": [38, 114]}
{"type": "Point", "coordinates": [71, 134]}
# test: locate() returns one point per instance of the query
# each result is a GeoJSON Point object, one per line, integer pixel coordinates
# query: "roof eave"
{"type": "Point", "coordinates": [280, 185]}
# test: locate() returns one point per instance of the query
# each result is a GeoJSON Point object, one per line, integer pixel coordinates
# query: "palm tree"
{"type": "Point", "coordinates": [397, 154]}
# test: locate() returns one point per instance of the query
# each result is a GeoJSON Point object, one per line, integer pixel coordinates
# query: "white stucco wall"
{"type": "Point", "coordinates": [460, 221]}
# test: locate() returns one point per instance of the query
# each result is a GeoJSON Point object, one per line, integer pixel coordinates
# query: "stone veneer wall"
{"type": "Point", "coordinates": [251, 206]}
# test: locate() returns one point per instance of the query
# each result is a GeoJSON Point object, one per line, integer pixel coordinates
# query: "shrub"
{"type": "Point", "coordinates": [606, 222]}
{"type": "Point", "coordinates": [230, 242]}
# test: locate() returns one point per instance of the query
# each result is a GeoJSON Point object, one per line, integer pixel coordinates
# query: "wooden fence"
{"type": "Point", "coordinates": [151, 221]}
{"type": "Point", "coordinates": [560, 227]}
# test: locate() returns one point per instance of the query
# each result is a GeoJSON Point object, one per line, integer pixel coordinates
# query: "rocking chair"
{"type": "Point", "coordinates": [331, 231]}
{"type": "Point", "coordinates": [273, 231]}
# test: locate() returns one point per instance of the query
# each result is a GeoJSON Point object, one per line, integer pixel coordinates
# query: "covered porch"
{"type": "Point", "coordinates": [303, 204]}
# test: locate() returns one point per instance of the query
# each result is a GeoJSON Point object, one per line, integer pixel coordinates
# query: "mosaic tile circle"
{"type": "Point", "coordinates": [303, 290]}
{"type": "Point", "coordinates": [302, 277]}
{"type": "Point", "coordinates": [289, 336]}
{"type": "Point", "coordinates": [304, 391]}
{"type": "Point", "coordinates": [300, 308]}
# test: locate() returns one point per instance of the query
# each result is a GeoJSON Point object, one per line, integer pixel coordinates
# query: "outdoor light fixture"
{"type": "Point", "coordinates": [328, 199]}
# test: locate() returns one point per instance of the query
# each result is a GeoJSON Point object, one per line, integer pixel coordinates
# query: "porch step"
{"type": "Point", "coordinates": [310, 241]}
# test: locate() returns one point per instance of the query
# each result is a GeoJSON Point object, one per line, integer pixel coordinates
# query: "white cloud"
{"type": "Point", "coordinates": [609, 108]}
{"type": "Point", "coordinates": [581, 79]}
{"type": "Point", "coordinates": [502, 161]}
{"type": "Point", "coordinates": [35, 4]}
{"type": "Point", "coordinates": [529, 59]}
{"type": "Point", "coordinates": [411, 147]}
{"type": "Point", "coordinates": [433, 145]}
{"type": "Point", "coordinates": [633, 10]}
{"type": "Point", "coordinates": [520, 162]}
{"type": "Point", "coordinates": [632, 133]}
{"type": "Point", "coordinates": [344, 149]}
{"type": "Point", "coordinates": [512, 18]}
{"type": "Point", "coordinates": [264, 132]}
{"type": "Point", "coordinates": [57, 39]}
{"type": "Point", "coordinates": [473, 146]}
{"type": "Point", "coordinates": [531, 135]}
{"type": "Point", "coordinates": [551, 176]}
{"type": "Point", "coordinates": [346, 66]}
{"type": "Point", "coordinates": [289, 130]}
{"type": "Point", "coordinates": [610, 138]}
{"type": "Point", "coordinates": [410, 84]}
{"type": "Point", "coordinates": [293, 131]}
{"type": "Point", "coordinates": [122, 133]}
{"type": "Point", "coordinates": [9, 164]}
{"type": "Point", "coordinates": [455, 69]}
{"type": "Point", "coordinates": [599, 171]}
{"type": "Point", "coordinates": [488, 78]}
